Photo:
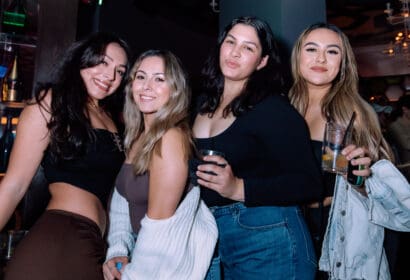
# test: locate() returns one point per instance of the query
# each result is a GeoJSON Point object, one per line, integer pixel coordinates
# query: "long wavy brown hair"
{"type": "Point", "coordinates": [174, 114]}
{"type": "Point", "coordinates": [343, 97]}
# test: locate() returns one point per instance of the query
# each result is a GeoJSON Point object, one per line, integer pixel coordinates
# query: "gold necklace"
{"type": "Point", "coordinates": [96, 107]}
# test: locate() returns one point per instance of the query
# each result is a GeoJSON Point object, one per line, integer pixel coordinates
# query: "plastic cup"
{"type": "Point", "coordinates": [332, 159]}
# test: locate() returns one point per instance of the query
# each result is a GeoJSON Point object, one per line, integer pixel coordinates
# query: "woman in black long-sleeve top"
{"type": "Point", "coordinates": [268, 168]}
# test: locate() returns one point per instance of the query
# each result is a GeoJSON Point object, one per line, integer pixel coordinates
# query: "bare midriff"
{"type": "Point", "coordinates": [70, 198]}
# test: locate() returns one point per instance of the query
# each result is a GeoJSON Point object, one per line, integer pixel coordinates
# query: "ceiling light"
{"type": "Point", "coordinates": [401, 42]}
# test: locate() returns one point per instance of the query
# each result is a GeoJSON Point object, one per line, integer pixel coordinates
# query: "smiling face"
{"type": "Point", "coordinates": [104, 78]}
{"type": "Point", "coordinates": [241, 53]}
{"type": "Point", "coordinates": [150, 88]}
{"type": "Point", "coordinates": [320, 57]}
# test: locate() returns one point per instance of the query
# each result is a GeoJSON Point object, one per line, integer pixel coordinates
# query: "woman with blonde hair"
{"type": "Point", "coordinates": [340, 97]}
{"type": "Point", "coordinates": [147, 201]}
{"type": "Point", "coordinates": [325, 89]}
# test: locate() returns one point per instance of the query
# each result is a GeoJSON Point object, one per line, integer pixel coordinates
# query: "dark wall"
{"type": "Point", "coordinates": [287, 18]}
{"type": "Point", "coordinates": [56, 31]}
{"type": "Point", "coordinates": [187, 28]}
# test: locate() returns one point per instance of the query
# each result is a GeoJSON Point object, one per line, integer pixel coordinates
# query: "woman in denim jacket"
{"type": "Point", "coordinates": [325, 88]}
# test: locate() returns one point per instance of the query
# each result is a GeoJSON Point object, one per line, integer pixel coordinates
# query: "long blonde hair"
{"type": "Point", "coordinates": [174, 114]}
{"type": "Point", "coordinates": [342, 99]}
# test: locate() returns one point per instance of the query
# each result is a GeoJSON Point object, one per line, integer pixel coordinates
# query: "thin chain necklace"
{"type": "Point", "coordinates": [97, 108]}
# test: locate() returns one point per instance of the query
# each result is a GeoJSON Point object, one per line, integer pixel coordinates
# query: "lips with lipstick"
{"type": "Point", "coordinates": [318, 69]}
{"type": "Point", "coordinates": [146, 97]}
{"type": "Point", "coordinates": [103, 85]}
{"type": "Point", "coordinates": [231, 64]}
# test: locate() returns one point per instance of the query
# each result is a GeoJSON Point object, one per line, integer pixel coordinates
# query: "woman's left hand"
{"type": "Point", "coordinates": [220, 178]}
{"type": "Point", "coordinates": [110, 269]}
{"type": "Point", "coordinates": [358, 156]}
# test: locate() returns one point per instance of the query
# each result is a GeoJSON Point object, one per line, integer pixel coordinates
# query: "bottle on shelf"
{"type": "Point", "coordinates": [10, 92]}
{"type": "Point", "coordinates": [14, 17]}
{"type": "Point", "coordinates": [6, 143]}
{"type": "Point", "coordinates": [6, 59]}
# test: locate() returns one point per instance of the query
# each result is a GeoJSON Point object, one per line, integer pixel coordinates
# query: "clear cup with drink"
{"type": "Point", "coordinates": [333, 143]}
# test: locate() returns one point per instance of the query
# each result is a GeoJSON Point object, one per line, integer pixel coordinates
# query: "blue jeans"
{"type": "Point", "coordinates": [262, 243]}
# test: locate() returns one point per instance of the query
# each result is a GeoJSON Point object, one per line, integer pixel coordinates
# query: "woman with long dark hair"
{"type": "Point", "coordinates": [71, 129]}
{"type": "Point", "coordinates": [267, 169]}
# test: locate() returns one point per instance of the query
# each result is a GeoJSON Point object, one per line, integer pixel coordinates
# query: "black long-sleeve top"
{"type": "Point", "coordinates": [269, 148]}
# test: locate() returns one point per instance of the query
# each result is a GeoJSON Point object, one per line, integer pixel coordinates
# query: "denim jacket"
{"type": "Point", "coordinates": [353, 243]}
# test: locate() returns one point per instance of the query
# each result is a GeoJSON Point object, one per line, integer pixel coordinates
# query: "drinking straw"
{"type": "Point", "coordinates": [349, 128]}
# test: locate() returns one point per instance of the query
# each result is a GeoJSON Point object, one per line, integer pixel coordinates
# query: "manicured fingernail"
{"type": "Point", "coordinates": [118, 265]}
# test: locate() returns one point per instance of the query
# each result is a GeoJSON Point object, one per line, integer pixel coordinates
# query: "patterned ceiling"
{"type": "Point", "coordinates": [364, 21]}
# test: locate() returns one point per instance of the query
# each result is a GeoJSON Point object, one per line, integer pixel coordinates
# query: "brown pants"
{"type": "Point", "coordinates": [60, 246]}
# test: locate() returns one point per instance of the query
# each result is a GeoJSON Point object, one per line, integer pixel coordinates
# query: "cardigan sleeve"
{"type": "Point", "coordinates": [179, 247]}
{"type": "Point", "coordinates": [120, 238]}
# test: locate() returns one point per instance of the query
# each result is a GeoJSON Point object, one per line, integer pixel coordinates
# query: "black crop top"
{"type": "Point", "coordinates": [328, 178]}
{"type": "Point", "coordinates": [94, 172]}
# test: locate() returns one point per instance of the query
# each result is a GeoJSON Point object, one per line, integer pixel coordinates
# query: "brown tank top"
{"type": "Point", "coordinates": [134, 188]}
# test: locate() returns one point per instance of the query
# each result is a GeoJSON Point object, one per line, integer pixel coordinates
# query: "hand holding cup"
{"type": "Point", "coordinates": [208, 157]}
{"type": "Point", "coordinates": [332, 158]}
{"type": "Point", "coordinates": [215, 173]}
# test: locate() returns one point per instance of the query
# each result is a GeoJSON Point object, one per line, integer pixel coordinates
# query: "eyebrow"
{"type": "Point", "coordinates": [327, 46]}
{"type": "Point", "coordinates": [155, 74]}
{"type": "Point", "coordinates": [246, 42]}
{"type": "Point", "coordinates": [110, 58]}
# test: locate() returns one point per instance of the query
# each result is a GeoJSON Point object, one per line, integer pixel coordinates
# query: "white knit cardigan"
{"type": "Point", "coordinates": [179, 247]}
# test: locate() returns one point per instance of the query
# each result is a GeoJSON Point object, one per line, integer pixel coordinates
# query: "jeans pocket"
{"type": "Point", "coordinates": [260, 218]}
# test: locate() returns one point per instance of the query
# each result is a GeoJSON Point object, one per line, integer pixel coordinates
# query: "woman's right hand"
{"type": "Point", "coordinates": [358, 156]}
{"type": "Point", "coordinates": [110, 270]}
{"type": "Point", "coordinates": [220, 178]}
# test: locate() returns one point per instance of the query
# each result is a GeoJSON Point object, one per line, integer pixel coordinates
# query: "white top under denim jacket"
{"type": "Point", "coordinates": [353, 243]}
{"type": "Point", "coordinates": [179, 247]}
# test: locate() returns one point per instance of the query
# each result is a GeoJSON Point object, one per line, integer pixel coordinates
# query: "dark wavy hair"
{"type": "Point", "coordinates": [267, 81]}
{"type": "Point", "coordinates": [69, 126]}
